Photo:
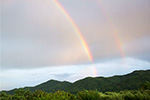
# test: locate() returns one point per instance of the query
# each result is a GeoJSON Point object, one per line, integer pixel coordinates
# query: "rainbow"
{"type": "Point", "coordinates": [115, 34]}
{"type": "Point", "coordinates": [83, 41]}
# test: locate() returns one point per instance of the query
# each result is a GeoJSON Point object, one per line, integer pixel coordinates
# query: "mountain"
{"type": "Point", "coordinates": [131, 81]}
{"type": "Point", "coordinates": [51, 86]}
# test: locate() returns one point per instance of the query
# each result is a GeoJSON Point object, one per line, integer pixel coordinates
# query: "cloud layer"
{"type": "Point", "coordinates": [20, 77]}
{"type": "Point", "coordinates": [36, 33]}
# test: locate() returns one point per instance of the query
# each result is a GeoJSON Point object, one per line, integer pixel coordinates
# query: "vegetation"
{"type": "Point", "coordinates": [22, 94]}
{"type": "Point", "coordinates": [126, 87]}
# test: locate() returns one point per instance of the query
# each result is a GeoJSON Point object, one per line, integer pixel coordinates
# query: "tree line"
{"type": "Point", "coordinates": [21, 94]}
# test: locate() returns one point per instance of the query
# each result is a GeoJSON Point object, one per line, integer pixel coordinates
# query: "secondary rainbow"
{"type": "Point", "coordinates": [83, 41]}
{"type": "Point", "coordinates": [113, 29]}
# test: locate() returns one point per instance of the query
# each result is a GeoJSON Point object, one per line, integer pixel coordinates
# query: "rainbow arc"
{"type": "Point", "coordinates": [115, 34]}
{"type": "Point", "coordinates": [83, 41]}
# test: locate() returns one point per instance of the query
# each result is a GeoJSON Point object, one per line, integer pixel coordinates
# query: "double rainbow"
{"type": "Point", "coordinates": [83, 41]}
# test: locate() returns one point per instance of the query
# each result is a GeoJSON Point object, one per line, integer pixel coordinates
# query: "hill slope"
{"type": "Point", "coordinates": [130, 81]}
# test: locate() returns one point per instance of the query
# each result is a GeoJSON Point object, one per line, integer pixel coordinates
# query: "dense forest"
{"type": "Point", "coordinates": [141, 94]}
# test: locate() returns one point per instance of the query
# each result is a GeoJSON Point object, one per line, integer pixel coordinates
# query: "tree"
{"type": "Point", "coordinates": [145, 86]}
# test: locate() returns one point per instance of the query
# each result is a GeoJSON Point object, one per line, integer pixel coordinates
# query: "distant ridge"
{"type": "Point", "coordinates": [131, 81]}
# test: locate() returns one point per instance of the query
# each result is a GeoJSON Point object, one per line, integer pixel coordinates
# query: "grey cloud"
{"type": "Point", "coordinates": [139, 46]}
{"type": "Point", "coordinates": [62, 76]}
{"type": "Point", "coordinates": [36, 33]}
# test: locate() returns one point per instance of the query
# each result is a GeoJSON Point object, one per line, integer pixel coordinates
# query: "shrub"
{"type": "Point", "coordinates": [88, 95]}
{"type": "Point", "coordinates": [82, 95]}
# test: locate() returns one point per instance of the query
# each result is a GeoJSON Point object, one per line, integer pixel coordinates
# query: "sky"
{"type": "Point", "coordinates": [68, 40]}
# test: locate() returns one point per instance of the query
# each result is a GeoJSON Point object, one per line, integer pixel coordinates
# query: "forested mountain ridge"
{"type": "Point", "coordinates": [131, 81]}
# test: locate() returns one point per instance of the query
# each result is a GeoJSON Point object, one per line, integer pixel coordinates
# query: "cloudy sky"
{"type": "Point", "coordinates": [39, 42]}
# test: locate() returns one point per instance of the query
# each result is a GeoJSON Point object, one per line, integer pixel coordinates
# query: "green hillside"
{"type": "Point", "coordinates": [130, 81]}
{"type": "Point", "coordinates": [51, 86]}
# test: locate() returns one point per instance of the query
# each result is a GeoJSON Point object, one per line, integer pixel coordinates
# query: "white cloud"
{"type": "Point", "coordinates": [19, 78]}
